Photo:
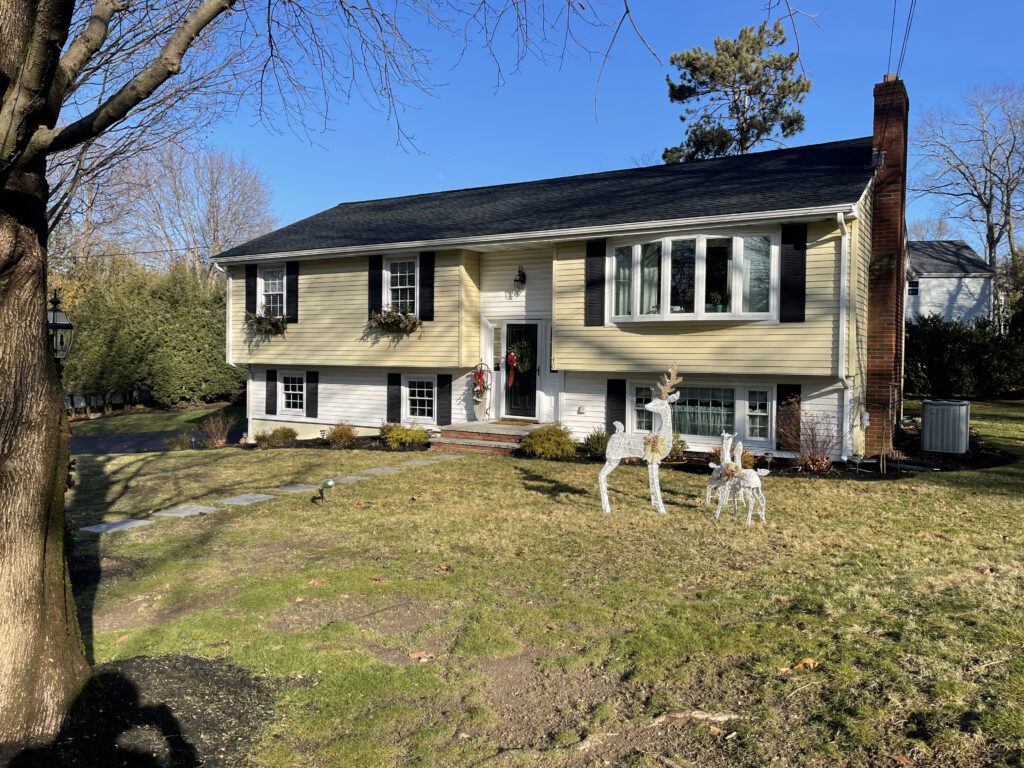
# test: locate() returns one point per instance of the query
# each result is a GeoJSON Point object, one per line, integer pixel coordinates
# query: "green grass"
{"type": "Point", "coordinates": [153, 421]}
{"type": "Point", "coordinates": [552, 626]}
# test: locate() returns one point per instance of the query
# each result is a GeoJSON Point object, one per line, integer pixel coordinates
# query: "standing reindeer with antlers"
{"type": "Point", "coordinates": [653, 447]}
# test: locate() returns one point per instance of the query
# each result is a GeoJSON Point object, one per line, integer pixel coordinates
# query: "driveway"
{"type": "Point", "coordinates": [133, 442]}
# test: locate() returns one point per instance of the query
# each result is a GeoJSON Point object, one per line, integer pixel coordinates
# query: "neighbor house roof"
{"type": "Point", "coordinates": [946, 258]}
{"type": "Point", "coordinates": [814, 176]}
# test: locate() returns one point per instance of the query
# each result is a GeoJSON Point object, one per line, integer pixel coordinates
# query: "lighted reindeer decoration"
{"type": "Point", "coordinates": [653, 447]}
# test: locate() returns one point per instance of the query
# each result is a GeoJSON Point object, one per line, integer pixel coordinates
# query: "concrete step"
{"type": "Point", "coordinates": [502, 448]}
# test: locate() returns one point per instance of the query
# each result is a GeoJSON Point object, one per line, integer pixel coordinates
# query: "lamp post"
{"type": "Point", "coordinates": [59, 330]}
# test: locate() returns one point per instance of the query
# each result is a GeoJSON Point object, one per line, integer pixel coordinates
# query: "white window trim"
{"type": "Point", "coordinates": [408, 418]}
{"type": "Point", "coordinates": [699, 314]}
{"type": "Point", "coordinates": [386, 280]}
{"type": "Point", "coordinates": [740, 401]}
{"type": "Point", "coordinates": [281, 409]}
{"type": "Point", "coordinates": [284, 288]}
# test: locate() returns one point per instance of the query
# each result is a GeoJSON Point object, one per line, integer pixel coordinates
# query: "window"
{"type": "Point", "coordinates": [701, 277]}
{"type": "Point", "coordinates": [400, 285]}
{"type": "Point", "coordinates": [705, 411]}
{"type": "Point", "coordinates": [419, 398]}
{"type": "Point", "coordinates": [757, 414]}
{"type": "Point", "coordinates": [272, 292]}
{"type": "Point", "coordinates": [293, 393]}
{"type": "Point", "coordinates": [912, 287]}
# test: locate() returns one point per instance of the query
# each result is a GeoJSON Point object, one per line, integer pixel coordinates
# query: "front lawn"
{"type": "Point", "coordinates": [867, 624]}
{"type": "Point", "coordinates": [154, 421]}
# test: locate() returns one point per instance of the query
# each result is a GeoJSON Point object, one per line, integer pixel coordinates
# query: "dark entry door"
{"type": "Point", "coordinates": [521, 396]}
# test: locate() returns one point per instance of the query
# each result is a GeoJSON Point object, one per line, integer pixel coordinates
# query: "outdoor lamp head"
{"type": "Point", "coordinates": [59, 327]}
{"type": "Point", "coordinates": [520, 279]}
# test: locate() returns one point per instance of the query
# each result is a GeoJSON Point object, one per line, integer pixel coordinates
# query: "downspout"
{"type": "Point", "coordinates": [844, 285]}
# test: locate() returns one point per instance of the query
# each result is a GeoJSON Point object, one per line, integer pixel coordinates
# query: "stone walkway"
{"type": "Point", "coordinates": [247, 499]}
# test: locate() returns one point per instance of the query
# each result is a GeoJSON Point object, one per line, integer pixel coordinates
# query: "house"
{"type": "Point", "coordinates": [947, 277]}
{"type": "Point", "coordinates": [769, 276]}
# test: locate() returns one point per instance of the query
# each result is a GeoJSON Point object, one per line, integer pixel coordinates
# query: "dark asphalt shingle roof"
{"type": "Point", "coordinates": [945, 257]}
{"type": "Point", "coordinates": [835, 173]}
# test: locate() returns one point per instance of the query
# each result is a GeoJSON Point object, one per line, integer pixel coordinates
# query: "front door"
{"type": "Point", "coordinates": [521, 394]}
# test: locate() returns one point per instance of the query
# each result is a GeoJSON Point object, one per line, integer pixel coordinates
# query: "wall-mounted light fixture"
{"type": "Point", "coordinates": [520, 280]}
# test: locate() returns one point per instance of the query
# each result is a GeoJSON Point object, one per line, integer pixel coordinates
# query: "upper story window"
{"type": "Point", "coordinates": [400, 284]}
{"type": "Point", "coordinates": [913, 286]}
{"type": "Point", "coordinates": [694, 277]}
{"type": "Point", "coordinates": [272, 291]}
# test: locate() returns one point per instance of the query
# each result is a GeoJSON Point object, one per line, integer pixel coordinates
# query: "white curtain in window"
{"type": "Point", "coordinates": [650, 279]}
{"type": "Point", "coordinates": [623, 280]}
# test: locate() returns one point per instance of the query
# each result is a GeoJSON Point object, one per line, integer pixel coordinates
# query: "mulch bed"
{"type": "Point", "coordinates": [159, 712]}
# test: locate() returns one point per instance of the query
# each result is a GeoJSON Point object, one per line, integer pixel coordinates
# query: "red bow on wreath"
{"type": "Point", "coordinates": [511, 362]}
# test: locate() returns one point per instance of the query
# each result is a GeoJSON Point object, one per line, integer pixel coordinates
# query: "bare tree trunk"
{"type": "Point", "coordinates": [42, 666]}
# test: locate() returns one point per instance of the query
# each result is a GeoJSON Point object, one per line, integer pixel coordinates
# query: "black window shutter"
{"type": "Point", "coordinates": [312, 394]}
{"type": "Point", "coordinates": [291, 291]}
{"type": "Point", "coordinates": [376, 280]}
{"type": "Point", "coordinates": [444, 399]}
{"type": "Point", "coordinates": [787, 409]}
{"type": "Point", "coordinates": [426, 285]}
{"type": "Point", "coordinates": [394, 398]}
{"type": "Point", "coordinates": [794, 273]}
{"type": "Point", "coordinates": [615, 405]}
{"type": "Point", "coordinates": [271, 408]}
{"type": "Point", "coordinates": [250, 288]}
{"type": "Point", "coordinates": [593, 283]}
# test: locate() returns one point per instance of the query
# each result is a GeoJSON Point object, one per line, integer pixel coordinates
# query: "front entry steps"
{"type": "Point", "coordinates": [482, 437]}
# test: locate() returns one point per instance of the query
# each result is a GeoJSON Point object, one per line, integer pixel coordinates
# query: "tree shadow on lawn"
{"type": "Point", "coordinates": [538, 483]}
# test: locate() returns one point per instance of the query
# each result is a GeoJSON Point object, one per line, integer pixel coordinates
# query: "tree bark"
{"type": "Point", "coordinates": [42, 666]}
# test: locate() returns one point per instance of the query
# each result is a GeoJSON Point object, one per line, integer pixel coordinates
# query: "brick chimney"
{"type": "Point", "coordinates": [888, 264]}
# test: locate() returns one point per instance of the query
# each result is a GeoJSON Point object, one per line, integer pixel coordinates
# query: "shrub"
{"type": "Point", "coordinates": [747, 459]}
{"type": "Point", "coordinates": [679, 447]}
{"type": "Point", "coordinates": [282, 437]}
{"type": "Point", "coordinates": [595, 444]}
{"type": "Point", "coordinates": [341, 435]}
{"type": "Point", "coordinates": [552, 441]}
{"type": "Point", "coordinates": [216, 426]}
{"type": "Point", "coordinates": [813, 436]}
{"type": "Point", "coordinates": [400, 438]}
{"type": "Point", "coordinates": [180, 442]}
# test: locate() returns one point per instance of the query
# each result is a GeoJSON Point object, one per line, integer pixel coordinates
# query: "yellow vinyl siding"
{"type": "Point", "coordinates": [733, 347]}
{"type": "Point", "coordinates": [469, 343]}
{"type": "Point", "coordinates": [332, 320]}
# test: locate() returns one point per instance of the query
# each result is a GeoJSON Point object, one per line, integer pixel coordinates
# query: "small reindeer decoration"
{"type": "Point", "coordinates": [653, 447]}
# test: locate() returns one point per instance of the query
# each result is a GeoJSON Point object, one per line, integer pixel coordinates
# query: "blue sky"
{"type": "Point", "coordinates": [541, 123]}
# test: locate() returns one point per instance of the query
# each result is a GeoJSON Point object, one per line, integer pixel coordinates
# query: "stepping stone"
{"type": "Point", "coordinates": [247, 498]}
{"type": "Point", "coordinates": [419, 462]}
{"type": "Point", "coordinates": [297, 488]}
{"type": "Point", "coordinates": [192, 509]}
{"type": "Point", "coordinates": [381, 470]}
{"type": "Point", "coordinates": [348, 479]}
{"type": "Point", "coordinates": [117, 525]}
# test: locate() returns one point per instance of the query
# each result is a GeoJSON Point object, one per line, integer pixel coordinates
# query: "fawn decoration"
{"type": "Point", "coordinates": [730, 481]}
{"type": "Point", "coordinates": [652, 448]}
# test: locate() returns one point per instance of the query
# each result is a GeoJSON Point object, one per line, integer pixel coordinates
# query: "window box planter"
{"type": "Point", "coordinates": [266, 325]}
{"type": "Point", "coordinates": [392, 321]}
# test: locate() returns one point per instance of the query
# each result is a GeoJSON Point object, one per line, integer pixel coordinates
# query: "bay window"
{"type": "Point", "coordinates": [696, 277]}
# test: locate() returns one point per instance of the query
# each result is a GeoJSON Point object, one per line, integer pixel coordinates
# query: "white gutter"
{"type": "Point", "coordinates": [844, 261]}
{"type": "Point", "coordinates": [554, 235]}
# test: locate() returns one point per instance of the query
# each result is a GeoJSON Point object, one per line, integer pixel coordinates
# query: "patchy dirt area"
{"type": "Point", "coordinates": [159, 712]}
{"type": "Point", "coordinates": [88, 570]}
{"type": "Point", "coordinates": [533, 705]}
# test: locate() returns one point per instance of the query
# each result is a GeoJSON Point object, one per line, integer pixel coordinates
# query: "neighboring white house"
{"type": "Point", "coordinates": [949, 278]}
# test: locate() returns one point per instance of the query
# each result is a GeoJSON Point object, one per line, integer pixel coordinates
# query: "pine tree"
{"type": "Point", "coordinates": [740, 96]}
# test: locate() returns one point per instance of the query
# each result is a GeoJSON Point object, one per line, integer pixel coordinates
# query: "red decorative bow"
{"type": "Point", "coordinates": [511, 361]}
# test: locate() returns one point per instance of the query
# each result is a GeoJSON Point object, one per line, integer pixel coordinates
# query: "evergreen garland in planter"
{"type": "Point", "coordinates": [391, 320]}
{"type": "Point", "coordinates": [266, 325]}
